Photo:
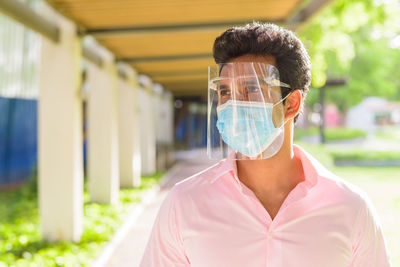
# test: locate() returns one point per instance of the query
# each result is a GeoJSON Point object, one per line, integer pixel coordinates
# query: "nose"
{"type": "Point", "coordinates": [242, 93]}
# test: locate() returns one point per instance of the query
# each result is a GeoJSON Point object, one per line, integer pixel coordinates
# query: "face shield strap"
{"type": "Point", "coordinates": [281, 101]}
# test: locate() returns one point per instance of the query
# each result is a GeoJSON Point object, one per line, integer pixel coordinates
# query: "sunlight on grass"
{"type": "Point", "coordinates": [20, 242]}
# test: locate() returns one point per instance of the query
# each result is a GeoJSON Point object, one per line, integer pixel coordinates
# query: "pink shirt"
{"type": "Point", "coordinates": [213, 220]}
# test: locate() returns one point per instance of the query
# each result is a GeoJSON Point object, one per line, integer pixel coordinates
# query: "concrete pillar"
{"type": "Point", "coordinates": [103, 169]}
{"type": "Point", "coordinates": [158, 112]}
{"type": "Point", "coordinates": [60, 166]}
{"type": "Point", "coordinates": [168, 110]}
{"type": "Point", "coordinates": [164, 120]}
{"type": "Point", "coordinates": [159, 122]}
{"type": "Point", "coordinates": [129, 129]}
{"type": "Point", "coordinates": [147, 126]}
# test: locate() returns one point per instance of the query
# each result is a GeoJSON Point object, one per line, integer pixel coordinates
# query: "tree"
{"type": "Point", "coordinates": [355, 39]}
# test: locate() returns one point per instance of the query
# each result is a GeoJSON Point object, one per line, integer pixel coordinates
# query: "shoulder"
{"type": "Point", "coordinates": [196, 183]}
{"type": "Point", "coordinates": [334, 189]}
{"type": "Point", "coordinates": [344, 192]}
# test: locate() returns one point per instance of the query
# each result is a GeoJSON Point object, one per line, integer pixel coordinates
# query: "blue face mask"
{"type": "Point", "coordinates": [247, 127]}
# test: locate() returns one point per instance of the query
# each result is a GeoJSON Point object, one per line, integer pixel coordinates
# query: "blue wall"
{"type": "Point", "coordinates": [18, 139]}
{"type": "Point", "coordinates": [192, 130]}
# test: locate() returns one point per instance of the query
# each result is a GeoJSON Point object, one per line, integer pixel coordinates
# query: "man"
{"type": "Point", "coordinates": [269, 203]}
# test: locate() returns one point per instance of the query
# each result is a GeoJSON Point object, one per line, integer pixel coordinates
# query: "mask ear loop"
{"type": "Point", "coordinates": [280, 101]}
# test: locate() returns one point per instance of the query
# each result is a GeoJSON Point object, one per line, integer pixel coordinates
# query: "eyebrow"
{"type": "Point", "coordinates": [261, 82]}
{"type": "Point", "coordinates": [246, 82]}
{"type": "Point", "coordinates": [223, 86]}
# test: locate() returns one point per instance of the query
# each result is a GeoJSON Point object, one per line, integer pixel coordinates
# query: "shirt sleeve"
{"type": "Point", "coordinates": [369, 248]}
{"type": "Point", "coordinates": [165, 245]}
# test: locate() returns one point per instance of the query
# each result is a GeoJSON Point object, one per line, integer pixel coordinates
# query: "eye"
{"type": "Point", "coordinates": [253, 89]}
{"type": "Point", "coordinates": [224, 92]}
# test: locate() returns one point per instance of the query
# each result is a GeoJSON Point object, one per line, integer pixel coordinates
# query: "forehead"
{"type": "Point", "coordinates": [239, 68]}
{"type": "Point", "coordinates": [267, 59]}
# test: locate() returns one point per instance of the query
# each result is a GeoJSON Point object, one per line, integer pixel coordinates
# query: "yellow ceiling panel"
{"type": "Point", "coordinates": [192, 92]}
{"type": "Point", "coordinates": [186, 88]}
{"type": "Point", "coordinates": [117, 13]}
{"type": "Point", "coordinates": [180, 78]}
{"type": "Point", "coordinates": [187, 84]}
{"type": "Point", "coordinates": [173, 65]}
{"type": "Point", "coordinates": [153, 45]}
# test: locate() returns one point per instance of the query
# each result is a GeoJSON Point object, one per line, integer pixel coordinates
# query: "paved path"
{"type": "Point", "coordinates": [130, 250]}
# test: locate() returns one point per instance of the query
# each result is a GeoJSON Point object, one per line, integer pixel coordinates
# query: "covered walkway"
{"type": "Point", "coordinates": [129, 250]}
{"type": "Point", "coordinates": [131, 58]}
{"type": "Point", "coordinates": [120, 66]}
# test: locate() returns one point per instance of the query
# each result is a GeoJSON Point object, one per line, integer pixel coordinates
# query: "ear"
{"type": "Point", "coordinates": [293, 104]}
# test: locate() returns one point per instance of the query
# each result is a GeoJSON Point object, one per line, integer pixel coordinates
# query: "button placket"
{"type": "Point", "coordinates": [270, 234]}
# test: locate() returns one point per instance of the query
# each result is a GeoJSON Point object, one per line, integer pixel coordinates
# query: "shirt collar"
{"type": "Point", "coordinates": [225, 166]}
{"type": "Point", "coordinates": [311, 167]}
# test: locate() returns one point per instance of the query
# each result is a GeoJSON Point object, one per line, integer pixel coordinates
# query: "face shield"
{"type": "Point", "coordinates": [245, 111]}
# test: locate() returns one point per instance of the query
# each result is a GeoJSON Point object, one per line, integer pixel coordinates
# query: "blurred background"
{"type": "Point", "coordinates": [102, 102]}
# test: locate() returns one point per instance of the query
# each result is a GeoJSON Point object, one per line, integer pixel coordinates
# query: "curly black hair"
{"type": "Point", "coordinates": [267, 39]}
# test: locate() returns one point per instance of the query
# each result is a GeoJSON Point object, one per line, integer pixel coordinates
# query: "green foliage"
{"type": "Point", "coordinates": [337, 134]}
{"type": "Point", "coordinates": [20, 241]}
{"type": "Point", "coordinates": [331, 134]}
{"type": "Point", "coordinates": [300, 133]}
{"type": "Point", "coordinates": [351, 39]}
{"type": "Point", "coordinates": [365, 155]}
{"type": "Point", "coordinates": [319, 152]}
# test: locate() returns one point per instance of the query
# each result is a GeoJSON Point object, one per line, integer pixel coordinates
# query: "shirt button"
{"type": "Point", "coordinates": [270, 234]}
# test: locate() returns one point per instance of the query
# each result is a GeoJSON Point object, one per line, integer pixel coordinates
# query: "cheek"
{"type": "Point", "coordinates": [278, 115]}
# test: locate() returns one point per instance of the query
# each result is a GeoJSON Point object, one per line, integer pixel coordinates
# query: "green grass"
{"type": "Point", "coordinates": [337, 134]}
{"type": "Point", "coordinates": [331, 134]}
{"type": "Point", "coordinates": [366, 155]}
{"type": "Point", "coordinates": [300, 133]}
{"type": "Point", "coordinates": [20, 241]}
{"type": "Point", "coordinates": [319, 152]}
{"type": "Point", "coordinates": [392, 133]}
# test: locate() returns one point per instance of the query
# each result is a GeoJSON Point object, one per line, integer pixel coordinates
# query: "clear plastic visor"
{"type": "Point", "coordinates": [245, 110]}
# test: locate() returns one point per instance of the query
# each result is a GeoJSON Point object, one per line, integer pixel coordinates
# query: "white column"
{"type": "Point", "coordinates": [160, 129]}
{"type": "Point", "coordinates": [169, 120]}
{"type": "Point", "coordinates": [168, 138]}
{"type": "Point", "coordinates": [60, 157]}
{"type": "Point", "coordinates": [128, 132]}
{"type": "Point", "coordinates": [158, 112]}
{"type": "Point", "coordinates": [147, 126]}
{"type": "Point", "coordinates": [103, 169]}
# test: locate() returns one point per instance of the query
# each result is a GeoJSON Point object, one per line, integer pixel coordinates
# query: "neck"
{"type": "Point", "coordinates": [279, 173]}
